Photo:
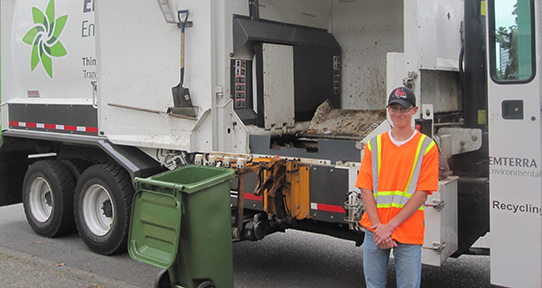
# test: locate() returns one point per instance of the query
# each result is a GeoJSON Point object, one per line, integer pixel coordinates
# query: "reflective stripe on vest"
{"type": "Point", "coordinates": [398, 199]}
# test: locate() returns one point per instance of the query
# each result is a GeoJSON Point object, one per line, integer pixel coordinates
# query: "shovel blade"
{"type": "Point", "coordinates": [185, 111]}
{"type": "Point", "coordinates": [181, 97]}
{"type": "Point", "coordinates": [182, 101]}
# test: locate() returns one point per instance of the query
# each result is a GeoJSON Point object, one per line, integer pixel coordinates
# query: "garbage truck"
{"type": "Point", "coordinates": [286, 93]}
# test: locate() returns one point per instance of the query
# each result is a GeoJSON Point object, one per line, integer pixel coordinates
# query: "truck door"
{"type": "Point", "coordinates": [514, 90]}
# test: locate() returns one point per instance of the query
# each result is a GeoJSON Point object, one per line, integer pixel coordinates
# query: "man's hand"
{"type": "Point", "coordinates": [387, 244]}
{"type": "Point", "coordinates": [382, 232]}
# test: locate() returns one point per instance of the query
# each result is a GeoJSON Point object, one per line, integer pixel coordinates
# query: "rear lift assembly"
{"type": "Point", "coordinates": [271, 195]}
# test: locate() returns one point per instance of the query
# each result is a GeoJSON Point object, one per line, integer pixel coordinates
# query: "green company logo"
{"type": "Point", "coordinates": [43, 38]}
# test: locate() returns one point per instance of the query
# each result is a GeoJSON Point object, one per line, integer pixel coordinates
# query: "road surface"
{"type": "Point", "coordinates": [291, 259]}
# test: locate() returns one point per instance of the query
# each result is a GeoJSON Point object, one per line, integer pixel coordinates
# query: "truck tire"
{"type": "Point", "coordinates": [48, 198]}
{"type": "Point", "coordinates": [102, 207]}
{"type": "Point", "coordinates": [76, 166]}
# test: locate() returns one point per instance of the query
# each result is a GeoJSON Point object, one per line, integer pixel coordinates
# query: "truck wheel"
{"type": "Point", "coordinates": [162, 280]}
{"type": "Point", "coordinates": [48, 198]}
{"type": "Point", "coordinates": [103, 203]}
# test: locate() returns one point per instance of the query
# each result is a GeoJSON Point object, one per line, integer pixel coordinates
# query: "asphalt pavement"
{"type": "Point", "coordinates": [18, 269]}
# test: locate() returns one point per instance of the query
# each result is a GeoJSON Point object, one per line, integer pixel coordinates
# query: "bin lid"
{"type": "Point", "coordinates": [189, 178]}
{"type": "Point", "coordinates": [155, 227]}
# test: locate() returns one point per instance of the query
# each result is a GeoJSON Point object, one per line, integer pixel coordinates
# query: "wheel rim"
{"type": "Point", "coordinates": [41, 200]}
{"type": "Point", "coordinates": [98, 210]}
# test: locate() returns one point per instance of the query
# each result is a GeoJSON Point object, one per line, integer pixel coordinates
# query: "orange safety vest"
{"type": "Point", "coordinates": [395, 176]}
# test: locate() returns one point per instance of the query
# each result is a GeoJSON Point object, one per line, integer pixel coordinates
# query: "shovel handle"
{"type": "Point", "coordinates": [182, 15]}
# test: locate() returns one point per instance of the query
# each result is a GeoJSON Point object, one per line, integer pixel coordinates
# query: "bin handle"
{"type": "Point", "coordinates": [156, 183]}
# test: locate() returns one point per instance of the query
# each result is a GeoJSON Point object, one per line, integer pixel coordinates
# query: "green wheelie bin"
{"type": "Point", "coordinates": [181, 222]}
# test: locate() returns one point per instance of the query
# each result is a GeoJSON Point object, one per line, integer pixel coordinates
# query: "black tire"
{"type": "Point", "coordinates": [162, 280]}
{"type": "Point", "coordinates": [207, 284]}
{"type": "Point", "coordinates": [76, 166]}
{"type": "Point", "coordinates": [48, 198]}
{"type": "Point", "coordinates": [102, 207]}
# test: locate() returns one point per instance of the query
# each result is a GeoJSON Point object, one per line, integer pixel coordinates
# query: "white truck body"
{"type": "Point", "coordinates": [208, 61]}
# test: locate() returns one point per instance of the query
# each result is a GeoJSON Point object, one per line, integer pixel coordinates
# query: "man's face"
{"type": "Point", "coordinates": [401, 116]}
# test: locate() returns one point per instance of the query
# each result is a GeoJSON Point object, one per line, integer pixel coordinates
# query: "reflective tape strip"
{"type": "Point", "coordinates": [390, 199]}
{"type": "Point", "coordinates": [250, 196]}
{"type": "Point", "coordinates": [398, 192]}
{"type": "Point", "coordinates": [415, 172]}
{"type": "Point", "coordinates": [395, 205]}
{"type": "Point", "coordinates": [429, 147]}
{"type": "Point", "coordinates": [327, 207]}
{"type": "Point", "coordinates": [375, 165]}
{"type": "Point", "coordinates": [17, 124]}
{"type": "Point", "coordinates": [424, 144]}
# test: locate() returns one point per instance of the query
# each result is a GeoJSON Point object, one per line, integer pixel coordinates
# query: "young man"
{"type": "Point", "coordinates": [398, 171]}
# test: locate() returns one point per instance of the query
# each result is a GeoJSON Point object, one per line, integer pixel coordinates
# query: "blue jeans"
{"type": "Point", "coordinates": [408, 263]}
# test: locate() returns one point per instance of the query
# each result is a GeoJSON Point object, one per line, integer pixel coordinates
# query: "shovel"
{"type": "Point", "coordinates": [181, 95]}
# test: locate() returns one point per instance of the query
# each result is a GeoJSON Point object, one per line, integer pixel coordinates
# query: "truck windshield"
{"type": "Point", "coordinates": [512, 41]}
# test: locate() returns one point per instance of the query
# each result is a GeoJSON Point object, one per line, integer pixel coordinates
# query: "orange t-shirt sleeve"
{"type": "Point", "coordinates": [365, 175]}
{"type": "Point", "coordinates": [428, 180]}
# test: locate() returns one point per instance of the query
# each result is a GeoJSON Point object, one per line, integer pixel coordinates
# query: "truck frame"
{"type": "Point", "coordinates": [287, 93]}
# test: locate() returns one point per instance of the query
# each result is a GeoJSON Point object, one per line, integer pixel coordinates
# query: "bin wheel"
{"type": "Point", "coordinates": [102, 207]}
{"type": "Point", "coordinates": [207, 284]}
{"type": "Point", "coordinates": [48, 198]}
{"type": "Point", "coordinates": [162, 280]}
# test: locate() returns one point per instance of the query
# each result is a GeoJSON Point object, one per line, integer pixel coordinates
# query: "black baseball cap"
{"type": "Point", "coordinates": [403, 96]}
